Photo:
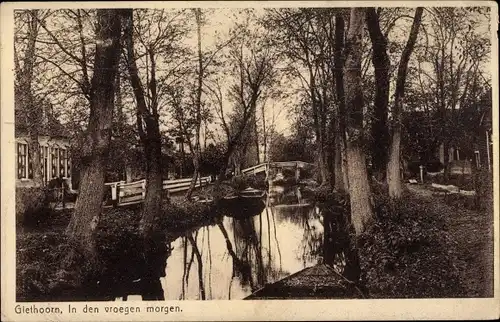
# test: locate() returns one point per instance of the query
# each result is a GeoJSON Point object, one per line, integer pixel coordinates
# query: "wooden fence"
{"type": "Point", "coordinates": [123, 193]}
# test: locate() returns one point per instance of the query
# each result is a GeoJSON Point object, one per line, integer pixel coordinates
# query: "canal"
{"type": "Point", "coordinates": [256, 242]}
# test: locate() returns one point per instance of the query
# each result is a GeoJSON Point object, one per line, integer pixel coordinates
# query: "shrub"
{"type": "Point", "coordinates": [404, 252]}
{"type": "Point", "coordinates": [483, 185]}
{"type": "Point", "coordinates": [464, 182]}
{"type": "Point", "coordinates": [243, 182]}
{"type": "Point", "coordinates": [480, 181]}
{"type": "Point", "coordinates": [32, 205]}
{"type": "Point", "coordinates": [239, 183]}
{"type": "Point", "coordinates": [257, 182]}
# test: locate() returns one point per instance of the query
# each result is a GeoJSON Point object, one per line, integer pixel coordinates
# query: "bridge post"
{"type": "Point", "coordinates": [297, 172]}
{"type": "Point", "coordinates": [113, 191]}
{"type": "Point", "coordinates": [121, 194]}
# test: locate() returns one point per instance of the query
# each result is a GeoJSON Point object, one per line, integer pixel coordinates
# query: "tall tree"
{"type": "Point", "coordinates": [198, 115]}
{"type": "Point", "coordinates": [98, 135]}
{"type": "Point", "coordinates": [305, 37]}
{"type": "Point", "coordinates": [341, 182]}
{"type": "Point", "coordinates": [454, 44]}
{"type": "Point", "coordinates": [148, 127]}
{"type": "Point", "coordinates": [359, 186]}
{"type": "Point", "coordinates": [394, 165]}
{"type": "Point", "coordinates": [31, 103]}
{"type": "Point", "coordinates": [252, 73]}
{"type": "Point", "coordinates": [26, 106]}
{"type": "Point", "coordinates": [381, 64]}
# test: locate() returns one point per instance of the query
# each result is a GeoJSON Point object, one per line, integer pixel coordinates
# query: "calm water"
{"type": "Point", "coordinates": [245, 250]}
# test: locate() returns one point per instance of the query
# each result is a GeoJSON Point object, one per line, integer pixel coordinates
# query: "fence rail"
{"type": "Point", "coordinates": [124, 193]}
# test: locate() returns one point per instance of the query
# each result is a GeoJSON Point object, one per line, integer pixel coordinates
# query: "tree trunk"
{"type": "Point", "coordinates": [194, 179]}
{"type": "Point", "coordinates": [446, 159]}
{"type": "Point", "coordinates": [256, 137]}
{"type": "Point", "coordinates": [152, 206]}
{"type": "Point", "coordinates": [119, 124]}
{"type": "Point", "coordinates": [183, 159]}
{"type": "Point", "coordinates": [91, 191]}
{"type": "Point", "coordinates": [340, 173]}
{"type": "Point", "coordinates": [339, 177]}
{"type": "Point", "coordinates": [149, 133]}
{"type": "Point", "coordinates": [323, 165]}
{"type": "Point", "coordinates": [196, 150]}
{"type": "Point", "coordinates": [265, 135]}
{"type": "Point", "coordinates": [394, 164]}
{"type": "Point", "coordinates": [381, 63]}
{"type": "Point", "coordinates": [24, 96]}
{"type": "Point", "coordinates": [359, 187]}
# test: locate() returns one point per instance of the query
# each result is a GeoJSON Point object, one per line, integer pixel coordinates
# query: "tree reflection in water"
{"type": "Point", "coordinates": [244, 251]}
{"type": "Point", "coordinates": [338, 249]}
{"type": "Point", "coordinates": [243, 268]}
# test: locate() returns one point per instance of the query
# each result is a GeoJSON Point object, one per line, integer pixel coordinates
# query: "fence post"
{"type": "Point", "coordinates": [488, 150]}
{"type": "Point", "coordinates": [422, 174]}
{"type": "Point", "coordinates": [62, 194]}
{"type": "Point", "coordinates": [113, 191]}
{"type": "Point", "coordinates": [116, 202]}
{"type": "Point", "coordinates": [143, 185]}
{"type": "Point", "coordinates": [121, 194]}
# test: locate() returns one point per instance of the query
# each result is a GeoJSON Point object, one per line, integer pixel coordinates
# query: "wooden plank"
{"type": "Point", "coordinates": [112, 183]}
{"type": "Point", "coordinates": [129, 203]}
{"type": "Point", "coordinates": [177, 181]}
{"type": "Point", "coordinates": [132, 191]}
{"type": "Point", "coordinates": [178, 185]}
{"type": "Point", "coordinates": [178, 189]}
{"type": "Point", "coordinates": [131, 198]}
{"type": "Point", "coordinates": [136, 184]}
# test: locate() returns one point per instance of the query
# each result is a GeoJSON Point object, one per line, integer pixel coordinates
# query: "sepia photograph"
{"type": "Point", "coordinates": [159, 155]}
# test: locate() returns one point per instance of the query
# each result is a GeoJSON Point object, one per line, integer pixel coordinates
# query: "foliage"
{"type": "Point", "coordinates": [480, 182]}
{"type": "Point", "coordinates": [212, 159]}
{"type": "Point", "coordinates": [284, 148]}
{"type": "Point", "coordinates": [32, 205]}
{"type": "Point", "coordinates": [240, 183]}
{"type": "Point", "coordinates": [405, 251]}
{"type": "Point", "coordinates": [42, 249]}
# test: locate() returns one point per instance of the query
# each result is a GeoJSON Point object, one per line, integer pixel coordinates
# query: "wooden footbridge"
{"type": "Point", "coordinates": [265, 167]}
{"type": "Point", "coordinates": [123, 193]}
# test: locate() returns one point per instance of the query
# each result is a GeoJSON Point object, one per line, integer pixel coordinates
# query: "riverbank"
{"type": "Point", "coordinates": [423, 247]}
{"type": "Point", "coordinates": [42, 247]}
{"type": "Point", "coordinates": [470, 239]}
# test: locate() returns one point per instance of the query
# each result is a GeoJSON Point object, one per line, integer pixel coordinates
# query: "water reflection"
{"type": "Point", "coordinates": [255, 243]}
{"type": "Point", "coordinates": [241, 254]}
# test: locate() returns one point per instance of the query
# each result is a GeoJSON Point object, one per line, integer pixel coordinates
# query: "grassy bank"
{"type": "Point", "coordinates": [424, 246]}
{"type": "Point", "coordinates": [42, 247]}
{"type": "Point", "coordinates": [42, 273]}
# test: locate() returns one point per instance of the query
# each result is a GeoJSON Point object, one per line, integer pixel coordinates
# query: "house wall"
{"type": "Point", "coordinates": [53, 164]}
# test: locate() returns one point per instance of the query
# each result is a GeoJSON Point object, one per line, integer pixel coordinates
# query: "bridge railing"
{"type": "Point", "coordinates": [124, 193]}
{"type": "Point", "coordinates": [255, 169]}
{"type": "Point", "coordinates": [262, 166]}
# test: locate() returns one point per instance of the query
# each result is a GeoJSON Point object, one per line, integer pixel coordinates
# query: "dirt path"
{"type": "Point", "coordinates": [471, 241]}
